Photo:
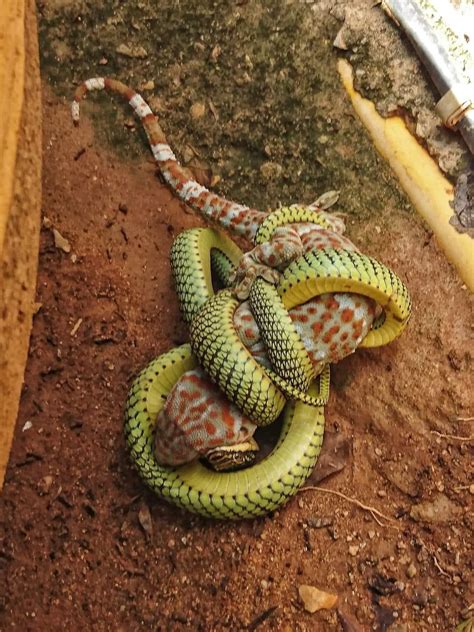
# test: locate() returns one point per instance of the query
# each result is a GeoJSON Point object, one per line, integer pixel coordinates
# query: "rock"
{"type": "Point", "coordinates": [149, 85]}
{"type": "Point", "coordinates": [45, 485]}
{"type": "Point", "coordinates": [403, 475]}
{"type": "Point", "coordinates": [353, 550]}
{"type": "Point", "coordinates": [271, 170]}
{"type": "Point", "coordinates": [319, 522]}
{"type": "Point", "coordinates": [136, 52]}
{"type": "Point", "coordinates": [215, 53]}
{"type": "Point", "coordinates": [144, 518]}
{"type": "Point", "coordinates": [438, 511]}
{"type": "Point", "coordinates": [61, 242]}
{"type": "Point", "coordinates": [314, 599]}
{"type": "Point", "coordinates": [383, 585]}
{"type": "Point", "coordinates": [339, 41]}
{"type": "Point", "coordinates": [383, 548]}
{"type": "Point", "coordinates": [197, 110]}
{"type": "Point", "coordinates": [411, 571]}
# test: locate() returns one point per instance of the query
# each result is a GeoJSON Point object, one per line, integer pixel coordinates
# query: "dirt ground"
{"type": "Point", "coordinates": [276, 127]}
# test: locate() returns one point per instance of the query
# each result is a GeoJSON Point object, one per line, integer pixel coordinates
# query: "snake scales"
{"type": "Point", "coordinates": [270, 483]}
{"type": "Point", "coordinates": [260, 393]}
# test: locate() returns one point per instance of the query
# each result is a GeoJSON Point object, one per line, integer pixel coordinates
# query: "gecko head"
{"type": "Point", "coordinates": [232, 457]}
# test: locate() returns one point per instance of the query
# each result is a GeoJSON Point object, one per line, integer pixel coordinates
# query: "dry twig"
{"type": "Point", "coordinates": [374, 512]}
{"type": "Point", "coordinates": [449, 436]}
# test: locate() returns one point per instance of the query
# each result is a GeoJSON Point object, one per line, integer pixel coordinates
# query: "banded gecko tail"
{"type": "Point", "coordinates": [240, 220]}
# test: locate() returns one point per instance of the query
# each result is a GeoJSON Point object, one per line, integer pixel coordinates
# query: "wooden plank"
{"type": "Point", "coordinates": [20, 202]}
{"type": "Point", "coordinates": [12, 72]}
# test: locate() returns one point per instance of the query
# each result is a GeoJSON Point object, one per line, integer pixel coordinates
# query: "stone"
{"type": "Point", "coordinates": [271, 170]}
{"type": "Point", "coordinates": [439, 510]}
{"type": "Point", "coordinates": [314, 599]}
{"type": "Point", "coordinates": [197, 110]}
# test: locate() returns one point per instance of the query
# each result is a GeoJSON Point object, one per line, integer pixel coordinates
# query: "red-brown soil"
{"type": "Point", "coordinates": [73, 554]}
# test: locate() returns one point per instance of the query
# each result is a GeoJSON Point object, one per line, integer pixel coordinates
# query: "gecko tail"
{"type": "Point", "coordinates": [238, 219]}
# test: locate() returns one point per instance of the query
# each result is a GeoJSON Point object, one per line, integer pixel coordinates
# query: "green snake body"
{"type": "Point", "coordinates": [216, 346]}
{"type": "Point", "coordinates": [244, 494]}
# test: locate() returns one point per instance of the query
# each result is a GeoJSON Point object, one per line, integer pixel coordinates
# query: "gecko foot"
{"type": "Point", "coordinates": [244, 276]}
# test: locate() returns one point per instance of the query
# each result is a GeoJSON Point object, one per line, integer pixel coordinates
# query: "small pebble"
{"type": "Point", "coordinates": [353, 550]}
{"type": "Point", "coordinates": [371, 534]}
{"type": "Point", "coordinates": [314, 599]}
{"type": "Point", "coordinates": [45, 484]}
{"type": "Point", "coordinates": [378, 451]}
{"type": "Point", "coordinates": [197, 110]}
{"type": "Point", "coordinates": [61, 242]}
{"type": "Point", "coordinates": [411, 571]}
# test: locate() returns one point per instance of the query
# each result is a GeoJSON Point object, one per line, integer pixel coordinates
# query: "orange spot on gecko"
{"type": "Point", "coordinates": [301, 318]}
{"type": "Point", "coordinates": [317, 327]}
{"type": "Point", "coordinates": [330, 333]}
{"type": "Point", "coordinates": [210, 428]}
{"type": "Point", "coordinates": [331, 303]}
{"type": "Point", "coordinates": [227, 417]}
{"type": "Point", "coordinates": [200, 409]}
{"type": "Point", "coordinates": [347, 315]}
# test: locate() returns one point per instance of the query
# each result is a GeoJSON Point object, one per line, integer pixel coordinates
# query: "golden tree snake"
{"type": "Point", "coordinates": [199, 257]}
{"type": "Point", "coordinates": [267, 485]}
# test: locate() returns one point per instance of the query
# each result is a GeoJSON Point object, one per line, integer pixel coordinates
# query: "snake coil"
{"type": "Point", "coordinates": [259, 393]}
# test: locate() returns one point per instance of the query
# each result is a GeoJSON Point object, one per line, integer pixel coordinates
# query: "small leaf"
{"type": "Point", "coordinates": [144, 518]}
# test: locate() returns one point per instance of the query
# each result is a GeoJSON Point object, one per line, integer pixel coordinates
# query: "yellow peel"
{"type": "Point", "coordinates": [419, 175]}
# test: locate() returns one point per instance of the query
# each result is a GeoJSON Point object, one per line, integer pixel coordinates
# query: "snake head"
{"type": "Point", "coordinates": [232, 457]}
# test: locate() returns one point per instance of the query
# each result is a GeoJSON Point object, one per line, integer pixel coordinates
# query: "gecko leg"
{"type": "Point", "coordinates": [265, 260]}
